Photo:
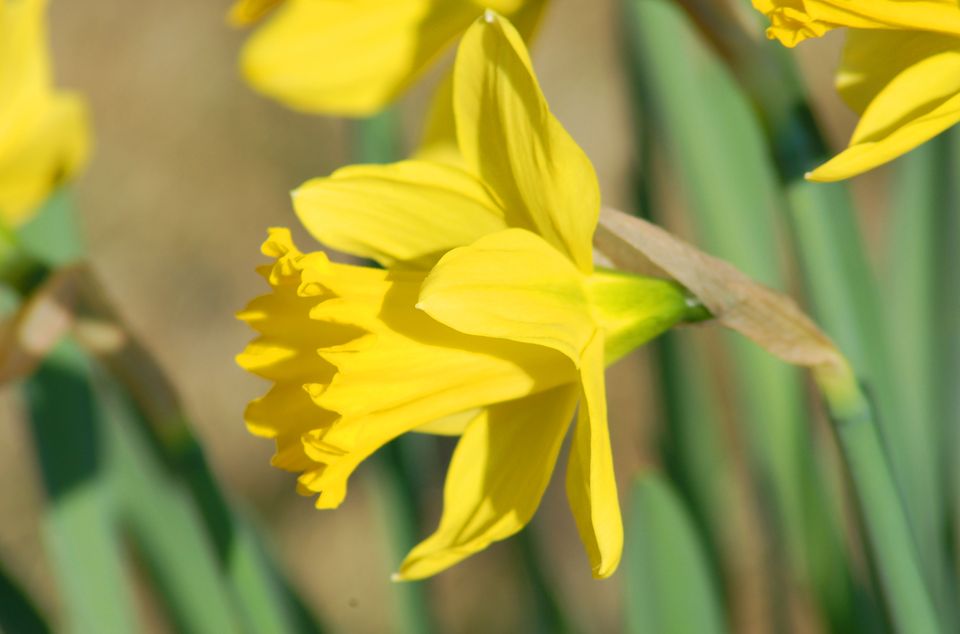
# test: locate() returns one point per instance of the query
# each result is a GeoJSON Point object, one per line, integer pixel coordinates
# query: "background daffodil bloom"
{"type": "Point", "coordinates": [353, 57]}
{"type": "Point", "coordinates": [43, 133]}
{"type": "Point", "coordinates": [900, 70]}
{"type": "Point", "coordinates": [488, 320]}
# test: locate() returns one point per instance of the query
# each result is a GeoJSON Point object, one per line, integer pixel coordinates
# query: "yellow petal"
{"type": "Point", "coordinates": [591, 482]}
{"type": "Point", "coordinates": [792, 21]}
{"type": "Point", "coordinates": [408, 213]}
{"type": "Point", "coordinates": [872, 59]}
{"type": "Point", "coordinates": [511, 285]}
{"type": "Point", "coordinates": [497, 476]}
{"type": "Point", "coordinates": [439, 141]}
{"type": "Point", "coordinates": [350, 58]}
{"type": "Point", "coordinates": [24, 62]}
{"type": "Point", "coordinates": [920, 102]}
{"type": "Point", "coordinates": [43, 134]}
{"type": "Point", "coordinates": [507, 134]}
{"type": "Point", "coordinates": [53, 147]}
{"type": "Point", "coordinates": [285, 414]}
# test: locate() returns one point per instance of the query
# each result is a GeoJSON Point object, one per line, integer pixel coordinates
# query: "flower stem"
{"type": "Point", "coordinates": [893, 552]}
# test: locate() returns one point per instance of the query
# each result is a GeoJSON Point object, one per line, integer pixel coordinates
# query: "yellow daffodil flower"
{"type": "Point", "coordinates": [353, 57]}
{"type": "Point", "coordinates": [43, 133]}
{"type": "Point", "coordinates": [487, 321]}
{"type": "Point", "coordinates": [900, 70]}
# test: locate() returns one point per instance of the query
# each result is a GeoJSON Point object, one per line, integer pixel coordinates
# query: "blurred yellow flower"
{"type": "Point", "coordinates": [43, 133]}
{"type": "Point", "coordinates": [900, 70]}
{"type": "Point", "coordinates": [489, 319]}
{"type": "Point", "coordinates": [353, 57]}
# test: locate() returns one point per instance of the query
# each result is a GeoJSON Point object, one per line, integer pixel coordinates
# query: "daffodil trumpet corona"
{"type": "Point", "coordinates": [354, 57]}
{"type": "Point", "coordinates": [487, 320]}
{"type": "Point", "coordinates": [43, 132]}
{"type": "Point", "coordinates": [900, 70]}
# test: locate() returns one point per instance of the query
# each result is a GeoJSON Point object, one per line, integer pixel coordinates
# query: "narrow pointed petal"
{"type": "Point", "coordinates": [350, 58]}
{"type": "Point", "coordinates": [919, 103]}
{"type": "Point", "coordinates": [405, 214]}
{"type": "Point", "coordinates": [511, 285]}
{"type": "Point", "coordinates": [873, 59]}
{"type": "Point", "coordinates": [497, 476]}
{"type": "Point", "coordinates": [591, 482]}
{"type": "Point", "coordinates": [507, 134]}
{"type": "Point", "coordinates": [439, 142]}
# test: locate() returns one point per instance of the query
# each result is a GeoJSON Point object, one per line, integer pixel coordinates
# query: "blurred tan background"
{"type": "Point", "coordinates": [190, 167]}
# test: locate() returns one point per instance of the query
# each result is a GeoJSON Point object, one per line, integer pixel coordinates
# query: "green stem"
{"type": "Point", "coordinates": [890, 543]}
{"type": "Point", "coordinates": [399, 502]}
{"type": "Point", "coordinates": [80, 525]}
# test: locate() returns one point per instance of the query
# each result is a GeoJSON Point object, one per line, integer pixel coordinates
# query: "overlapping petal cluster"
{"type": "Point", "coordinates": [487, 321]}
{"type": "Point", "coordinates": [900, 70]}
{"type": "Point", "coordinates": [353, 58]}
{"type": "Point", "coordinates": [43, 132]}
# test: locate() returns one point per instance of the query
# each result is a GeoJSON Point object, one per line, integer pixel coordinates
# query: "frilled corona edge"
{"type": "Point", "coordinates": [355, 364]}
{"type": "Point", "coordinates": [792, 21]}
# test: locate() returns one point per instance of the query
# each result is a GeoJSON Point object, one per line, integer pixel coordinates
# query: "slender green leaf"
{"type": "Point", "coordinates": [669, 586]}
{"type": "Point", "coordinates": [156, 422]}
{"type": "Point", "coordinates": [270, 603]}
{"type": "Point", "coordinates": [253, 592]}
{"type": "Point", "coordinates": [79, 521]}
{"type": "Point", "coordinates": [168, 532]}
{"type": "Point", "coordinates": [691, 445]}
{"type": "Point", "coordinates": [949, 358]}
{"type": "Point", "coordinates": [549, 617]}
{"type": "Point", "coordinates": [836, 271]}
{"type": "Point", "coordinates": [692, 106]}
{"type": "Point", "coordinates": [377, 139]}
{"type": "Point", "coordinates": [919, 267]}
{"type": "Point", "coordinates": [399, 506]}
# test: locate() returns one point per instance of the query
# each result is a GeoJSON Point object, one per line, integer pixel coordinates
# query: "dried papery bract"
{"type": "Point", "coordinates": [31, 334]}
{"type": "Point", "coordinates": [774, 322]}
{"type": "Point", "coordinates": [770, 319]}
